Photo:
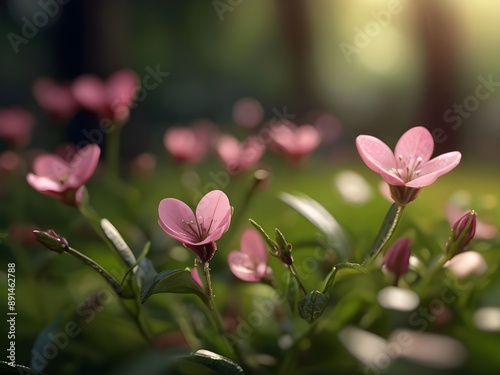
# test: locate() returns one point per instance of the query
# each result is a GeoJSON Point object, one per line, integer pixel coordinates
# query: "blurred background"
{"type": "Point", "coordinates": [379, 66]}
{"type": "Point", "coordinates": [375, 67]}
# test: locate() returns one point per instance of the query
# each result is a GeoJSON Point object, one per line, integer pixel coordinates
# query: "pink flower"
{"type": "Point", "coordinates": [63, 180]}
{"type": "Point", "coordinates": [239, 157]}
{"type": "Point", "coordinates": [397, 257]}
{"type": "Point", "coordinates": [295, 142]}
{"type": "Point", "coordinates": [248, 113]}
{"type": "Point", "coordinates": [55, 98]}
{"type": "Point", "coordinates": [250, 263]}
{"type": "Point", "coordinates": [197, 232]}
{"type": "Point", "coordinates": [410, 167]}
{"type": "Point", "coordinates": [15, 126]}
{"type": "Point", "coordinates": [111, 99]}
{"type": "Point", "coordinates": [186, 145]}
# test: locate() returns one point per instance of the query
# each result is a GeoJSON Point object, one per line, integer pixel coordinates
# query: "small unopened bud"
{"type": "Point", "coordinates": [397, 257]}
{"type": "Point", "coordinates": [51, 240]}
{"type": "Point", "coordinates": [462, 233]}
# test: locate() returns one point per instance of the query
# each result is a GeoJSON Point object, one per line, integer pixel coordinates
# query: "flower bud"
{"type": "Point", "coordinates": [397, 257]}
{"type": "Point", "coordinates": [462, 233]}
{"type": "Point", "coordinates": [51, 240]}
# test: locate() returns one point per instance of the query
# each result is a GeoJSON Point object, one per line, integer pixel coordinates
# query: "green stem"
{"type": "Point", "coordinates": [113, 154]}
{"type": "Point", "coordinates": [110, 279]}
{"type": "Point", "coordinates": [295, 274]}
{"type": "Point", "coordinates": [214, 313]}
{"type": "Point", "coordinates": [258, 177]}
{"type": "Point", "coordinates": [388, 227]}
{"type": "Point", "coordinates": [94, 219]}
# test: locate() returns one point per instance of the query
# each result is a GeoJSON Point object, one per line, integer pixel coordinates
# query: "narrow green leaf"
{"type": "Point", "coordinates": [215, 362]}
{"type": "Point", "coordinates": [172, 281]}
{"type": "Point", "coordinates": [270, 242]}
{"type": "Point", "coordinates": [321, 219]}
{"type": "Point", "coordinates": [134, 267]}
{"type": "Point", "coordinates": [118, 242]}
{"type": "Point", "coordinates": [341, 271]}
{"type": "Point", "coordinates": [388, 227]}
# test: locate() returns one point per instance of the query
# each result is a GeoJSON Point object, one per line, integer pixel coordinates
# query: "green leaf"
{"type": "Point", "coordinates": [312, 305]}
{"type": "Point", "coordinates": [270, 242]}
{"type": "Point", "coordinates": [6, 368]}
{"type": "Point", "coordinates": [172, 281]}
{"type": "Point", "coordinates": [215, 362]}
{"type": "Point", "coordinates": [321, 219]}
{"type": "Point", "coordinates": [135, 267]}
{"type": "Point", "coordinates": [388, 227]}
{"type": "Point", "coordinates": [118, 242]}
{"type": "Point", "coordinates": [341, 271]}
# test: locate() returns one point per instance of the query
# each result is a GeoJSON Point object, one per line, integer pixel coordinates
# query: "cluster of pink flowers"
{"type": "Point", "coordinates": [110, 99]}
{"type": "Point", "coordinates": [191, 144]}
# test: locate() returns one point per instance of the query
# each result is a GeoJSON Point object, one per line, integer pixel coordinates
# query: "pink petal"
{"type": "Point", "coordinates": [284, 137]}
{"type": "Point", "coordinates": [243, 267]}
{"type": "Point", "coordinates": [196, 277]}
{"type": "Point", "coordinates": [185, 144]}
{"type": "Point", "coordinates": [307, 138]}
{"type": "Point", "coordinates": [228, 149]}
{"type": "Point", "coordinates": [416, 142]}
{"type": "Point", "coordinates": [89, 91]}
{"type": "Point", "coordinates": [121, 89]}
{"type": "Point", "coordinates": [251, 153]}
{"type": "Point", "coordinates": [174, 217]}
{"type": "Point", "coordinates": [253, 245]}
{"type": "Point", "coordinates": [44, 184]}
{"type": "Point", "coordinates": [52, 167]}
{"type": "Point", "coordinates": [83, 165]}
{"type": "Point", "coordinates": [53, 97]}
{"type": "Point", "coordinates": [436, 167]}
{"type": "Point", "coordinates": [378, 157]}
{"type": "Point", "coordinates": [214, 214]}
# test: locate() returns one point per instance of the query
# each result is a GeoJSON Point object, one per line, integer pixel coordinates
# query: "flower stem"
{"type": "Point", "coordinates": [214, 313]}
{"type": "Point", "coordinates": [94, 219]}
{"type": "Point", "coordinates": [110, 279]}
{"type": "Point", "coordinates": [113, 154]}
{"type": "Point", "coordinates": [295, 274]}
{"type": "Point", "coordinates": [388, 227]}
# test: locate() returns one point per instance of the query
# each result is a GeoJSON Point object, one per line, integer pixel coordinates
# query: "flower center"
{"type": "Point", "coordinates": [407, 168]}
{"type": "Point", "coordinates": [197, 229]}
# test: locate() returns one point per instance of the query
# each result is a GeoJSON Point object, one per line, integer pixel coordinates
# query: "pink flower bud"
{"type": "Point", "coordinates": [462, 233]}
{"type": "Point", "coordinates": [397, 257]}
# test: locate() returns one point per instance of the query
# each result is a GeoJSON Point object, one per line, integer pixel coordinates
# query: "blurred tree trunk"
{"type": "Point", "coordinates": [294, 22]}
{"type": "Point", "coordinates": [440, 45]}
